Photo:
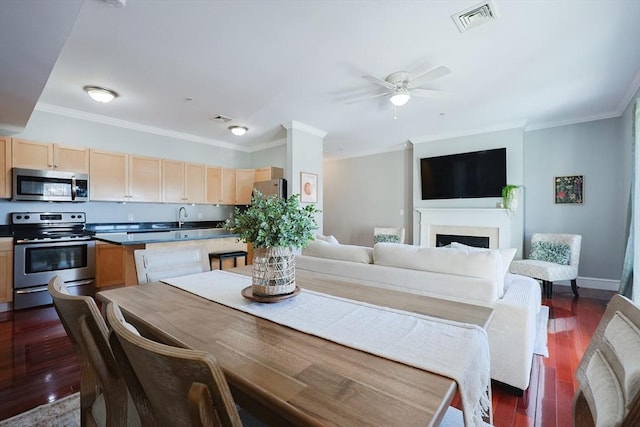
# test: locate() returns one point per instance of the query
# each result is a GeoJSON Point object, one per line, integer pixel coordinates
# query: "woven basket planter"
{"type": "Point", "coordinates": [273, 271]}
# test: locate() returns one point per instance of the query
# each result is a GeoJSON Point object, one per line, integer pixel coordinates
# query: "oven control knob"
{"type": "Point", "coordinates": [27, 217]}
{"type": "Point", "coordinates": [18, 216]}
{"type": "Point", "coordinates": [73, 216]}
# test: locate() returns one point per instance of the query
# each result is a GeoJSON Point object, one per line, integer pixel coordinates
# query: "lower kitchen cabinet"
{"type": "Point", "coordinates": [6, 269]}
{"type": "Point", "coordinates": [109, 265]}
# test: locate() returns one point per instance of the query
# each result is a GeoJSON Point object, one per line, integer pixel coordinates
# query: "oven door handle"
{"type": "Point", "coordinates": [73, 188]}
{"type": "Point", "coordinates": [46, 288]}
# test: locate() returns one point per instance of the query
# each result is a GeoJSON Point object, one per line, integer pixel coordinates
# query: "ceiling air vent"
{"type": "Point", "coordinates": [475, 15]}
{"type": "Point", "coordinates": [220, 119]}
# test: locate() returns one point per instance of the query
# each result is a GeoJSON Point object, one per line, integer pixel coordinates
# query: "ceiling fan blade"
{"type": "Point", "coordinates": [379, 81]}
{"type": "Point", "coordinates": [428, 93]}
{"type": "Point", "coordinates": [429, 75]}
{"type": "Point", "coordinates": [377, 95]}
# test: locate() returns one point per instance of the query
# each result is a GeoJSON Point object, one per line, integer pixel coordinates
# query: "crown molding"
{"type": "Point", "coordinates": [547, 125]}
{"type": "Point", "coordinates": [76, 114]}
{"type": "Point", "coordinates": [305, 128]}
{"type": "Point", "coordinates": [267, 145]}
{"type": "Point", "coordinates": [398, 147]}
{"type": "Point", "coordinates": [505, 126]}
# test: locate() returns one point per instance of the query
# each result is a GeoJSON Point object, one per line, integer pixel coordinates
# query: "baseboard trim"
{"type": "Point", "coordinates": [592, 283]}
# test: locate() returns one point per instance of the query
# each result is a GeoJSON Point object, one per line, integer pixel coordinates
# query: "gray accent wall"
{"type": "Point", "coordinates": [595, 150]}
{"type": "Point", "coordinates": [366, 192]}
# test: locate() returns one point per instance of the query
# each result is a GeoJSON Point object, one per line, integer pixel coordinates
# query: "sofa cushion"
{"type": "Point", "coordinates": [350, 253]}
{"type": "Point", "coordinates": [558, 253]}
{"type": "Point", "coordinates": [481, 264]}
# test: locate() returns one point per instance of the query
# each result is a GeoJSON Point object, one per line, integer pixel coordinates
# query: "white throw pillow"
{"type": "Point", "coordinates": [329, 239]}
{"type": "Point", "coordinates": [506, 256]}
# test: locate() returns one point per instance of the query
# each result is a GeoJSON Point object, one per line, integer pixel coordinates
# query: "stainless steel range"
{"type": "Point", "coordinates": [49, 244]}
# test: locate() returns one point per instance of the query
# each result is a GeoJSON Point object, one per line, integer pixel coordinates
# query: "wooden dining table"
{"type": "Point", "coordinates": [288, 377]}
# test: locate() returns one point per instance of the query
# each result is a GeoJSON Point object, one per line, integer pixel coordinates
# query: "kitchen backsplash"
{"type": "Point", "coordinates": [119, 212]}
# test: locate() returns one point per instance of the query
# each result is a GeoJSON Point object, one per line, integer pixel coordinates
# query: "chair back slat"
{"type": "Point", "coordinates": [156, 264]}
{"type": "Point", "coordinates": [609, 373]}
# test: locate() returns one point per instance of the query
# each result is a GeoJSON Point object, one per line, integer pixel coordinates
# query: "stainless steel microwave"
{"type": "Point", "coordinates": [52, 186]}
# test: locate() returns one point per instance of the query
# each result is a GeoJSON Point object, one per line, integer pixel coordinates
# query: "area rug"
{"type": "Point", "coordinates": [540, 346]}
{"type": "Point", "coordinates": [64, 412]}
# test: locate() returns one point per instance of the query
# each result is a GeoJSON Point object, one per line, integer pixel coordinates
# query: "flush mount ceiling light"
{"type": "Point", "coordinates": [238, 130]}
{"type": "Point", "coordinates": [100, 94]}
{"type": "Point", "coordinates": [400, 97]}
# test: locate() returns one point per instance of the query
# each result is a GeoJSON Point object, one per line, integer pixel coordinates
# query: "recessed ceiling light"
{"type": "Point", "coordinates": [238, 130]}
{"type": "Point", "coordinates": [100, 94]}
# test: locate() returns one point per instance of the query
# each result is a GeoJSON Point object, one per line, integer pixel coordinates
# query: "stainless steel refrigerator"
{"type": "Point", "coordinates": [273, 187]}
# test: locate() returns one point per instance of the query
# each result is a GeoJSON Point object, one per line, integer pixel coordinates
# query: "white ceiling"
{"type": "Point", "coordinates": [265, 63]}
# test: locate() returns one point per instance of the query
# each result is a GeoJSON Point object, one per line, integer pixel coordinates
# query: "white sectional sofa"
{"type": "Point", "coordinates": [461, 274]}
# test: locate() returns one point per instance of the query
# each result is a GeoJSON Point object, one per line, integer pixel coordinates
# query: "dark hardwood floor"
{"type": "Point", "coordinates": [38, 363]}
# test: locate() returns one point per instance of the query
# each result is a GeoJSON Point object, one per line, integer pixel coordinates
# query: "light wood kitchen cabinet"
{"type": "Point", "coordinates": [5, 167]}
{"type": "Point", "coordinates": [221, 186]}
{"type": "Point", "coordinates": [145, 179]}
{"type": "Point", "coordinates": [109, 264]}
{"type": "Point", "coordinates": [122, 177]}
{"type": "Point", "coordinates": [6, 269]}
{"type": "Point", "coordinates": [244, 186]}
{"type": "Point", "coordinates": [38, 155]}
{"type": "Point", "coordinates": [183, 182]}
{"type": "Point", "coordinates": [109, 176]}
{"type": "Point", "coordinates": [265, 174]}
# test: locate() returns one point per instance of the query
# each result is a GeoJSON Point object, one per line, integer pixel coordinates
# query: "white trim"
{"type": "Point", "coordinates": [547, 125]}
{"type": "Point", "coordinates": [628, 98]}
{"type": "Point", "coordinates": [68, 112]}
{"type": "Point", "coordinates": [304, 127]}
{"type": "Point", "coordinates": [592, 283]}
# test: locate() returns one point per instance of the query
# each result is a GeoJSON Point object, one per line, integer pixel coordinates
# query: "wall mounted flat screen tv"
{"type": "Point", "coordinates": [466, 175]}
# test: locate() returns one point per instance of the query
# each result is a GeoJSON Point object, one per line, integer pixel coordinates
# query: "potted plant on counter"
{"type": "Point", "coordinates": [274, 226]}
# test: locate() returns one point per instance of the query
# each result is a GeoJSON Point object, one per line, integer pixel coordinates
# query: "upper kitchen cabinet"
{"type": "Point", "coordinates": [124, 177]}
{"type": "Point", "coordinates": [221, 186]}
{"type": "Point", "coordinates": [183, 182]}
{"type": "Point", "coordinates": [5, 167]}
{"type": "Point", "coordinates": [265, 174]}
{"type": "Point", "coordinates": [244, 186]}
{"type": "Point", "coordinates": [145, 179]}
{"type": "Point", "coordinates": [38, 155]}
{"type": "Point", "coordinates": [108, 176]}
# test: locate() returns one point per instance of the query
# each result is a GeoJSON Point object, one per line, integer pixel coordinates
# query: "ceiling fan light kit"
{"type": "Point", "coordinates": [400, 98]}
{"type": "Point", "coordinates": [100, 94]}
{"type": "Point", "coordinates": [238, 130]}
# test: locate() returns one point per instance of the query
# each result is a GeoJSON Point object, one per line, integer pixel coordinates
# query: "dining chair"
{"type": "Point", "coordinates": [184, 387]}
{"type": "Point", "coordinates": [156, 264]}
{"type": "Point", "coordinates": [553, 257]}
{"type": "Point", "coordinates": [608, 375]}
{"type": "Point", "coordinates": [104, 397]}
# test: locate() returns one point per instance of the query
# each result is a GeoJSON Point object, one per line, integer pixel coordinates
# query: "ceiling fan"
{"type": "Point", "coordinates": [402, 85]}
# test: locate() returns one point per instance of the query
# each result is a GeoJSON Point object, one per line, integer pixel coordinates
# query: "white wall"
{"type": "Point", "coordinates": [595, 150]}
{"type": "Point", "coordinates": [511, 139]}
{"type": "Point", "coordinates": [366, 192]}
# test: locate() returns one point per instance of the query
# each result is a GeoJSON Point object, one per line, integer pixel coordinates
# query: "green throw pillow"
{"type": "Point", "coordinates": [558, 253]}
{"type": "Point", "coordinates": [390, 238]}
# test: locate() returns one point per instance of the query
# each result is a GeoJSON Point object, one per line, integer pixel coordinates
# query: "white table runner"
{"type": "Point", "coordinates": [452, 349]}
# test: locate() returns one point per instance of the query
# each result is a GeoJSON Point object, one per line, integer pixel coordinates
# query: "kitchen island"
{"type": "Point", "coordinates": [115, 264]}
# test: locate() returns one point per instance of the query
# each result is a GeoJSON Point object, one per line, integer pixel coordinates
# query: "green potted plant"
{"type": "Point", "coordinates": [274, 226]}
{"type": "Point", "coordinates": [510, 196]}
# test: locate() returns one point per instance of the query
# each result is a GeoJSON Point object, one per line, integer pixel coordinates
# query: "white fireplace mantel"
{"type": "Point", "coordinates": [492, 222]}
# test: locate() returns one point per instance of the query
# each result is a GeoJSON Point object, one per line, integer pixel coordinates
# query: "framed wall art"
{"type": "Point", "coordinates": [308, 187]}
{"type": "Point", "coordinates": [569, 189]}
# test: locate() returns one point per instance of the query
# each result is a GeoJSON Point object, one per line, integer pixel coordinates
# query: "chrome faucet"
{"type": "Point", "coordinates": [186, 215]}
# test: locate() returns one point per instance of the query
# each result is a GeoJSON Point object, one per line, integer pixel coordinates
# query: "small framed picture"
{"type": "Point", "coordinates": [308, 187]}
{"type": "Point", "coordinates": [569, 189]}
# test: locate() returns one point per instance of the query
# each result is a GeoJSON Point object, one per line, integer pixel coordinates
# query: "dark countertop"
{"type": "Point", "coordinates": [5, 231]}
{"type": "Point", "coordinates": [145, 227]}
{"type": "Point", "coordinates": [139, 238]}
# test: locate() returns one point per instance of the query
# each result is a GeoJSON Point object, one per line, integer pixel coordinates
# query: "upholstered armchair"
{"type": "Point", "coordinates": [388, 234]}
{"type": "Point", "coordinates": [553, 257]}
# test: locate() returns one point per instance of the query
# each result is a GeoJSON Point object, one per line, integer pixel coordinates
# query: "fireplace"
{"type": "Point", "coordinates": [477, 241]}
{"type": "Point", "coordinates": [475, 225]}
